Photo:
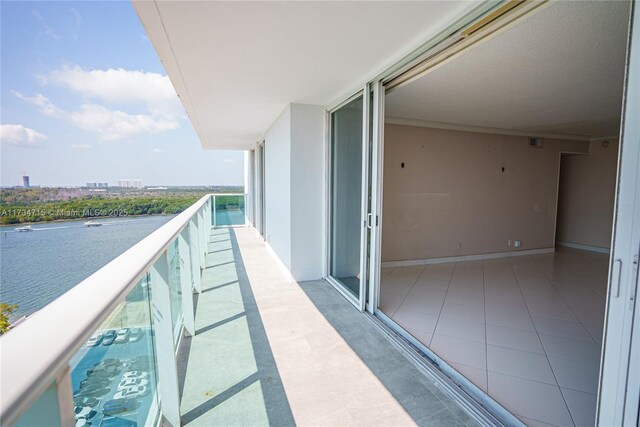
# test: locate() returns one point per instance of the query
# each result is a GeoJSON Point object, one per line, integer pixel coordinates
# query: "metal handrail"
{"type": "Point", "coordinates": [36, 352]}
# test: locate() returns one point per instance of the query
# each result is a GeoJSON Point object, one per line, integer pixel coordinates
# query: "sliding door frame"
{"type": "Point", "coordinates": [360, 300]}
{"type": "Point", "coordinates": [619, 381]}
{"type": "Point", "coordinates": [377, 169]}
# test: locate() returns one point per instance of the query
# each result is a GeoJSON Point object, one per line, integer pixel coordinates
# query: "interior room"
{"type": "Point", "coordinates": [500, 167]}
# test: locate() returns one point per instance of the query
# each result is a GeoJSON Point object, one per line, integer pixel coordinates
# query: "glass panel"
{"type": "Point", "coordinates": [346, 194]}
{"type": "Point", "coordinates": [43, 412]}
{"type": "Point", "coordinates": [114, 374]}
{"type": "Point", "coordinates": [173, 254]}
{"type": "Point", "coordinates": [229, 210]}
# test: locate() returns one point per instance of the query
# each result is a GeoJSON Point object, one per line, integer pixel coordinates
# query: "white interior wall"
{"type": "Point", "coordinates": [453, 199]}
{"type": "Point", "coordinates": [294, 174]}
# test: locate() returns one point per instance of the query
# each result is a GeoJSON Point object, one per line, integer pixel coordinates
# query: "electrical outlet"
{"type": "Point", "coordinates": [517, 244]}
{"type": "Point", "coordinates": [459, 245]}
{"type": "Point", "coordinates": [509, 242]}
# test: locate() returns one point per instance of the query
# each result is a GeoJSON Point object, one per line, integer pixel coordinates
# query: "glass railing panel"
{"type": "Point", "coordinates": [114, 374]}
{"type": "Point", "coordinates": [44, 411]}
{"type": "Point", "coordinates": [173, 254]}
{"type": "Point", "coordinates": [229, 210]}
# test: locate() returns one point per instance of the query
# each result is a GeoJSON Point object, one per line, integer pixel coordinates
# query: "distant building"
{"type": "Point", "coordinates": [25, 181]}
{"type": "Point", "coordinates": [129, 183]}
{"type": "Point", "coordinates": [97, 185]}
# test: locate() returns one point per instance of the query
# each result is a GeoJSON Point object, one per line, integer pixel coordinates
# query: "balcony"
{"type": "Point", "coordinates": [210, 330]}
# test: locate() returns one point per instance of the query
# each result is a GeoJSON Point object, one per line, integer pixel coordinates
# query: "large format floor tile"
{"type": "Point", "coordinates": [531, 399]}
{"type": "Point", "coordinates": [270, 351]}
{"type": "Point", "coordinates": [527, 329]}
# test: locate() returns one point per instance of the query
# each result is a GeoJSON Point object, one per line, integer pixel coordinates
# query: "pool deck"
{"type": "Point", "coordinates": [270, 351]}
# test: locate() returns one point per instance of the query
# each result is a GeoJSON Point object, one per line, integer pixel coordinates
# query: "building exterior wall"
{"type": "Point", "coordinates": [587, 193]}
{"type": "Point", "coordinates": [294, 173]}
{"type": "Point", "coordinates": [278, 186]}
{"type": "Point", "coordinates": [453, 198]}
{"type": "Point", "coordinates": [307, 197]}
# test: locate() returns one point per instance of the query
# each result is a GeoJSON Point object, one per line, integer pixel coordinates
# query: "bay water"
{"type": "Point", "coordinates": [38, 266]}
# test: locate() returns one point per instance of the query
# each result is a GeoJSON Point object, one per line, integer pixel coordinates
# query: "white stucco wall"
{"type": "Point", "coordinates": [294, 176]}
{"type": "Point", "coordinates": [278, 186]}
{"type": "Point", "coordinates": [307, 172]}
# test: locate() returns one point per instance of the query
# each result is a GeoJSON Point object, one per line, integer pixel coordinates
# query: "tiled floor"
{"type": "Point", "coordinates": [269, 351]}
{"type": "Point", "coordinates": [526, 329]}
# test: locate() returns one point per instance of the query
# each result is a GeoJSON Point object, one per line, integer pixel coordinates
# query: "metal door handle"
{"type": "Point", "coordinates": [615, 278]}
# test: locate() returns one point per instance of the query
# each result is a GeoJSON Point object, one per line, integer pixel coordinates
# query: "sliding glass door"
{"type": "Point", "coordinates": [346, 214]}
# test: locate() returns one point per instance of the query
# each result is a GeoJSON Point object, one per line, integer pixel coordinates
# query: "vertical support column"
{"type": "Point", "coordinates": [163, 330]}
{"type": "Point", "coordinates": [186, 281]}
{"type": "Point", "coordinates": [196, 272]}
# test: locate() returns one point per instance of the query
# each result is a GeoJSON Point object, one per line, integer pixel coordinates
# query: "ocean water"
{"type": "Point", "coordinates": [37, 267]}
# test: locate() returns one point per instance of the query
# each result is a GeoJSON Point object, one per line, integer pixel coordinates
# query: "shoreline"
{"type": "Point", "coordinates": [87, 218]}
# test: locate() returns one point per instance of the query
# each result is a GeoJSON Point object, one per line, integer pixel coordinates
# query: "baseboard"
{"type": "Point", "coordinates": [480, 257]}
{"type": "Point", "coordinates": [585, 247]}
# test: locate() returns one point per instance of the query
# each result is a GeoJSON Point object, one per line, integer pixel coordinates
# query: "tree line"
{"type": "Point", "coordinates": [94, 206]}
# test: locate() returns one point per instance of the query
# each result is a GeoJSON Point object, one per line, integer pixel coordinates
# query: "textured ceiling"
{"type": "Point", "coordinates": [560, 71]}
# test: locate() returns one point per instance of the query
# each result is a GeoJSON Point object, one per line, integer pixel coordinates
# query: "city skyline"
{"type": "Point", "coordinates": [82, 103]}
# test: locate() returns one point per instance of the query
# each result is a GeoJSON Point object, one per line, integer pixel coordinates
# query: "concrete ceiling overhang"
{"type": "Point", "coordinates": [235, 65]}
{"type": "Point", "coordinates": [558, 72]}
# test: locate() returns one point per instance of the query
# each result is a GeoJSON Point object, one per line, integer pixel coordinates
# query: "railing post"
{"type": "Point", "coordinates": [194, 251]}
{"type": "Point", "coordinates": [210, 211]}
{"type": "Point", "coordinates": [202, 236]}
{"type": "Point", "coordinates": [165, 354]}
{"type": "Point", "coordinates": [246, 217]}
{"type": "Point", "coordinates": [215, 218]}
{"type": "Point", "coordinates": [64, 389]}
{"type": "Point", "coordinates": [186, 282]}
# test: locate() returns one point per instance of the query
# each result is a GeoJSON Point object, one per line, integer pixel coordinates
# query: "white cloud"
{"type": "Point", "coordinates": [114, 124]}
{"type": "Point", "coordinates": [160, 151]}
{"type": "Point", "coordinates": [108, 123]}
{"type": "Point", "coordinates": [80, 146]}
{"type": "Point", "coordinates": [21, 136]}
{"type": "Point", "coordinates": [45, 106]}
{"type": "Point", "coordinates": [120, 86]}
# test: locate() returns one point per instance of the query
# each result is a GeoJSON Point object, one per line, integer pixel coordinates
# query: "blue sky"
{"type": "Point", "coordinates": [84, 98]}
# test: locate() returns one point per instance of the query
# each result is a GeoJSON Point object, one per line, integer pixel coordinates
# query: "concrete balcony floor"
{"type": "Point", "coordinates": [270, 351]}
